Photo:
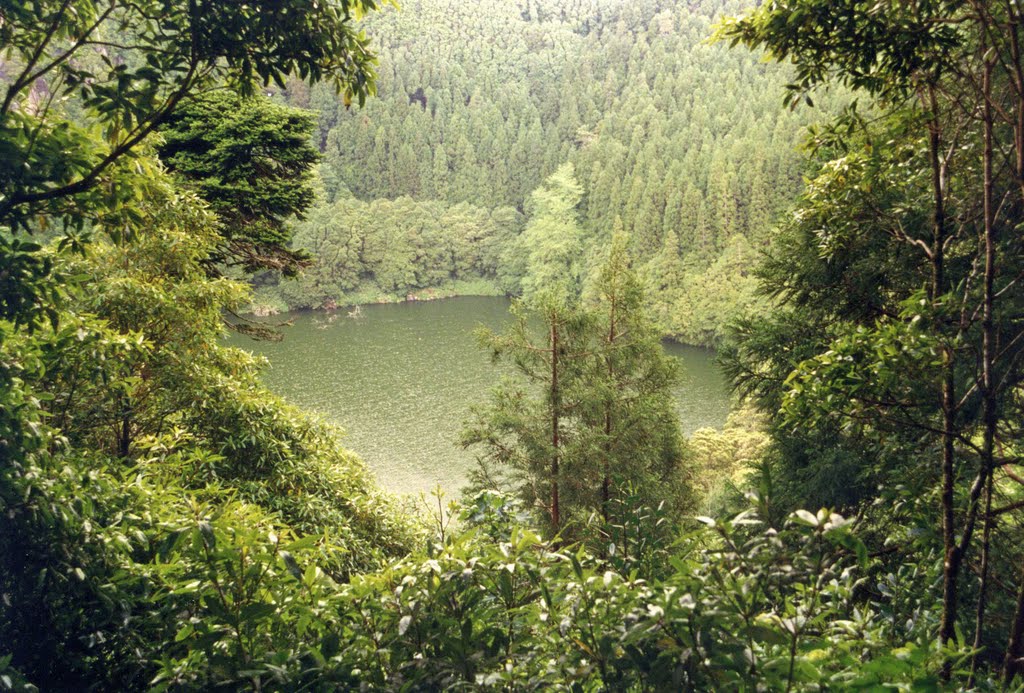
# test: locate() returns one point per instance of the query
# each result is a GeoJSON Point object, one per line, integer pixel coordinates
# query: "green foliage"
{"type": "Point", "coordinates": [28, 291]}
{"type": "Point", "coordinates": [12, 679]}
{"type": "Point", "coordinates": [396, 249]}
{"type": "Point", "coordinates": [151, 583]}
{"type": "Point", "coordinates": [852, 352]}
{"type": "Point", "coordinates": [727, 458]}
{"type": "Point", "coordinates": [175, 568]}
{"type": "Point", "coordinates": [527, 430]}
{"type": "Point", "coordinates": [252, 161]}
{"type": "Point", "coordinates": [844, 45]}
{"type": "Point", "coordinates": [695, 305]}
{"type": "Point", "coordinates": [173, 372]}
{"type": "Point", "coordinates": [166, 523]}
{"type": "Point", "coordinates": [85, 83]}
{"type": "Point", "coordinates": [144, 471]}
{"type": "Point", "coordinates": [679, 140]}
{"type": "Point", "coordinates": [78, 170]}
{"type": "Point", "coordinates": [552, 241]}
{"type": "Point", "coordinates": [589, 428]}
{"type": "Point", "coordinates": [745, 606]}
{"type": "Point", "coordinates": [890, 372]}
{"type": "Point", "coordinates": [178, 588]}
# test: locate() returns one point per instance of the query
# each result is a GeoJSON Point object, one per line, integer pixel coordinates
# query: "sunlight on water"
{"type": "Point", "coordinates": [401, 379]}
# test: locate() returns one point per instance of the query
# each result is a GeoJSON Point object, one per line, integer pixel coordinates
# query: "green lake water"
{"type": "Point", "coordinates": [400, 381]}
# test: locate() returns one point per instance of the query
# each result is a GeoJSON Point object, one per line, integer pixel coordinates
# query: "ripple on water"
{"type": "Point", "coordinates": [401, 379]}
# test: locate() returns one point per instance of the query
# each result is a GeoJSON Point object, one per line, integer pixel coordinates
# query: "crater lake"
{"type": "Point", "coordinates": [400, 380]}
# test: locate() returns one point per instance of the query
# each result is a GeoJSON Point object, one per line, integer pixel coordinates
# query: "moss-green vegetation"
{"type": "Point", "coordinates": [587, 428]}
{"type": "Point", "coordinates": [160, 458]}
{"type": "Point", "coordinates": [390, 250]}
{"type": "Point", "coordinates": [481, 103]}
{"type": "Point", "coordinates": [251, 161]}
{"type": "Point", "coordinates": [168, 524]}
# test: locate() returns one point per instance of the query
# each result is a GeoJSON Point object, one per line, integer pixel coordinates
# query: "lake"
{"type": "Point", "coordinates": [400, 381]}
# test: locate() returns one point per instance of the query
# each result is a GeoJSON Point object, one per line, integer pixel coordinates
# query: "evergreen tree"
{"type": "Point", "coordinates": [252, 161]}
{"type": "Point", "coordinates": [630, 405]}
{"type": "Point", "coordinates": [899, 335]}
{"type": "Point", "coordinates": [527, 433]}
{"type": "Point", "coordinates": [553, 241]}
{"type": "Point", "coordinates": [479, 106]}
{"type": "Point", "coordinates": [590, 427]}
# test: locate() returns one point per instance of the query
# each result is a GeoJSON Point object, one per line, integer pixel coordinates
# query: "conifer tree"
{"type": "Point", "coordinates": [553, 241]}
{"type": "Point", "coordinates": [527, 434]}
{"type": "Point", "coordinates": [252, 161]}
{"type": "Point", "coordinates": [629, 405]}
{"type": "Point", "coordinates": [589, 426]}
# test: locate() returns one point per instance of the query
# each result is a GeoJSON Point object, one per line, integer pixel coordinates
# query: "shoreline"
{"type": "Point", "coordinates": [331, 306]}
{"type": "Point", "coordinates": [425, 296]}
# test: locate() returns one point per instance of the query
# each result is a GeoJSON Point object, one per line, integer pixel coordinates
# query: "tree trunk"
{"type": "Point", "coordinates": [556, 510]}
{"type": "Point", "coordinates": [952, 556]}
{"type": "Point", "coordinates": [1012, 663]}
{"type": "Point", "coordinates": [979, 615]}
{"type": "Point", "coordinates": [606, 482]}
{"type": "Point", "coordinates": [124, 430]}
{"type": "Point", "coordinates": [988, 348]}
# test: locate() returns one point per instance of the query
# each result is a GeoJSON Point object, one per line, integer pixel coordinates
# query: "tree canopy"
{"type": "Point", "coordinates": [898, 278]}
{"type": "Point", "coordinates": [681, 140]}
{"type": "Point", "coordinates": [167, 523]}
{"type": "Point", "coordinates": [252, 161]}
{"type": "Point", "coordinates": [86, 83]}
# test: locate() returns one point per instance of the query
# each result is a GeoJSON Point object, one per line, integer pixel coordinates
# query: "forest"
{"type": "Point", "coordinates": [679, 140]}
{"type": "Point", "coordinates": [827, 192]}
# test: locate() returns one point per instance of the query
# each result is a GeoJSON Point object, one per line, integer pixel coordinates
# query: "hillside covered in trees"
{"type": "Point", "coordinates": [168, 524]}
{"type": "Point", "coordinates": [427, 190]}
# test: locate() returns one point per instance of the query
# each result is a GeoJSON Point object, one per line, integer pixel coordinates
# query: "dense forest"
{"type": "Point", "coordinates": [627, 171]}
{"type": "Point", "coordinates": [680, 141]}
